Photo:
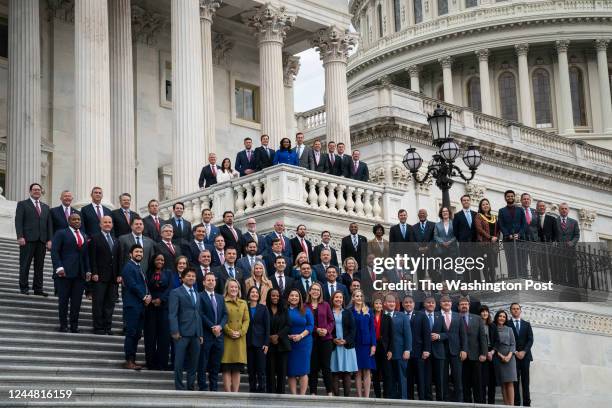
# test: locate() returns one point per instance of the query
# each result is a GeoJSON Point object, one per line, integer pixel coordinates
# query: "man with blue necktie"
{"type": "Point", "coordinates": [229, 270]}
{"type": "Point", "coordinates": [464, 227]}
{"type": "Point", "coordinates": [400, 234]}
{"type": "Point", "coordinates": [182, 228]}
{"type": "Point", "coordinates": [122, 217]}
{"type": "Point", "coordinates": [402, 346]}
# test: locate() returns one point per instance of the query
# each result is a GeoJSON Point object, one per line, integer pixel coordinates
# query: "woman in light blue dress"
{"type": "Point", "coordinates": [343, 359]}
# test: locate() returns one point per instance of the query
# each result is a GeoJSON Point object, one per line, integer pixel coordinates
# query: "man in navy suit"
{"type": "Point", "coordinates": [231, 234]}
{"type": "Point", "coordinates": [245, 159]}
{"type": "Point", "coordinates": [464, 226]}
{"type": "Point", "coordinates": [214, 318]}
{"type": "Point", "coordinates": [300, 244]}
{"type": "Point", "coordinates": [152, 222]}
{"type": "Point", "coordinates": [523, 334]}
{"type": "Point", "coordinates": [400, 234]}
{"type": "Point", "coordinates": [246, 262]}
{"type": "Point", "coordinates": [402, 346]}
{"type": "Point", "coordinates": [136, 297]}
{"type": "Point", "coordinates": [354, 245]}
{"type": "Point", "coordinates": [122, 216]}
{"type": "Point", "coordinates": [279, 229]}
{"type": "Point", "coordinates": [203, 267]}
{"type": "Point", "coordinates": [208, 175]}
{"type": "Point", "coordinates": [182, 227]}
{"type": "Point", "coordinates": [34, 232]}
{"type": "Point", "coordinates": [185, 329]}
{"type": "Point", "coordinates": [264, 156]}
{"type": "Point", "coordinates": [61, 213]}
{"type": "Point", "coordinates": [569, 235]}
{"type": "Point", "coordinates": [356, 169]}
{"type": "Point", "coordinates": [210, 229]}
{"type": "Point", "coordinates": [229, 270]}
{"type": "Point", "coordinates": [331, 284]}
{"type": "Point", "coordinates": [424, 229]}
{"type": "Point", "coordinates": [167, 248]}
{"type": "Point", "coordinates": [325, 244]}
{"type": "Point", "coordinates": [335, 163]}
{"type": "Point", "coordinates": [450, 331]}
{"type": "Point", "coordinates": [93, 212]}
{"type": "Point", "coordinates": [70, 270]}
{"type": "Point", "coordinates": [196, 245]}
{"type": "Point", "coordinates": [344, 159]}
{"type": "Point", "coordinates": [270, 258]}
{"type": "Point", "coordinates": [319, 159]}
{"type": "Point", "coordinates": [513, 225]}
{"type": "Point", "coordinates": [218, 251]}
{"type": "Point", "coordinates": [421, 349]}
{"type": "Point", "coordinates": [320, 269]}
{"type": "Point", "coordinates": [434, 365]}
{"type": "Point", "coordinates": [251, 235]}
{"type": "Point", "coordinates": [280, 280]}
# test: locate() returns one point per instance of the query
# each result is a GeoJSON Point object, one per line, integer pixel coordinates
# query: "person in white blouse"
{"type": "Point", "coordinates": [226, 173]}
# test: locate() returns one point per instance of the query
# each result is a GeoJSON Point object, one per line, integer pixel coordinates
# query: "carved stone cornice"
{"type": "Point", "coordinates": [586, 217]}
{"type": "Point", "coordinates": [482, 54]}
{"type": "Point", "coordinates": [446, 62]}
{"type": "Point", "coordinates": [601, 44]}
{"type": "Point", "coordinates": [291, 68]}
{"type": "Point", "coordinates": [562, 46]}
{"type": "Point", "coordinates": [222, 50]}
{"type": "Point", "coordinates": [147, 24]}
{"type": "Point", "coordinates": [61, 9]}
{"type": "Point", "coordinates": [334, 44]}
{"type": "Point", "coordinates": [475, 191]}
{"type": "Point", "coordinates": [521, 49]}
{"type": "Point", "coordinates": [269, 22]}
{"type": "Point", "coordinates": [208, 8]}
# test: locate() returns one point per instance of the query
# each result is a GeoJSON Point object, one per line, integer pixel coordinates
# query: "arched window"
{"type": "Point", "coordinates": [471, 3]}
{"type": "Point", "coordinates": [418, 11]}
{"type": "Point", "coordinates": [442, 7]}
{"type": "Point", "coordinates": [380, 21]}
{"type": "Point", "coordinates": [540, 82]}
{"type": "Point", "coordinates": [440, 92]}
{"type": "Point", "coordinates": [577, 90]}
{"type": "Point", "coordinates": [507, 96]}
{"type": "Point", "coordinates": [473, 93]}
{"type": "Point", "coordinates": [397, 14]}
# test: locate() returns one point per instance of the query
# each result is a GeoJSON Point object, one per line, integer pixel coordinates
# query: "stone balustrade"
{"type": "Point", "coordinates": [311, 119]}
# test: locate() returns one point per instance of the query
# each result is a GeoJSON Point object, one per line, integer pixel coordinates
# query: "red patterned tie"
{"type": "Point", "coordinates": [79, 239]}
{"type": "Point", "coordinates": [170, 248]}
{"type": "Point", "coordinates": [156, 223]}
{"type": "Point", "coordinates": [37, 207]}
{"type": "Point", "coordinates": [304, 248]}
{"type": "Point", "coordinates": [98, 211]}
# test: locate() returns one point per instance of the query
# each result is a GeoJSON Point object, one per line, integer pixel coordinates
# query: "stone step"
{"type": "Point", "coordinates": [32, 302]}
{"type": "Point", "coordinates": [84, 325]}
{"type": "Point", "coordinates": [50, 335]}
{"type": "Point", "coordinates": [85, 371]}
{"type": "Point", "coordinates": [74, 343]}
{"type": "Point", "coordinates": [48, 361]}
{"type": "Point", "coordinates": [59, 352]}
{"type": "Point", "coordinates": [38, 382]}
{"type": "Point", "coordinates": [84, 320]}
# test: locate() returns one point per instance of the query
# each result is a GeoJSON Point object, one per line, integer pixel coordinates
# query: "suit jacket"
{"type": "Point", "coordinates": [209, 319]}
{"type": "Point", "coordinates": [306, 160]}
{"type": "Point", "coordinates": [242, 162]}
{"type": "Point", "coordinates": [452, 340]}
{"type": "Point", "coordinates": [319, 270]}
{"type": "Point", "coordinates": [183, 235]}
{"type": "Point", "coordinates": [361, 174]}
{"type": "Point", "coordinates": [207, 178]}
{"type": "Point", "coordinates": [150, 229]}
{"type": "Point", "coordinates": [103, 258]}
{"type": "Point", "coordinates": [31, 226]}
{"type": "Point", "coordinates": [230, 241]}
{"type": "Point", "coordinates": [287, 248]}
{"type": "Point", "coordinates": [549, 232]}
{"type": "Point", "coordinates": [184, 314]}
{"type": "Point", "coordinates": [524, 337]}
{"type": "Point", "coordinates": [421, 334]}
{"type": "Point", "coordinates": [571, 233]}
{"type": "Point", "coordinates": [386, 333]}
{"type": "Point", "coordinates": [345, 159]}
{"type": "Point", "coordinates": [120, 224]}
{"type": "Point", "coordinates": [339, 287]}
{"type": "Point", "coordinates": [160, 289]}
{"type": "Point", "coordinates": [323, 165]}
{"type": "Point", "coordinates": [476, 337]}
{"type": "Point", "coordinates": [424, 236]}
{"type": "Point", "coordinates": [347, 249]}
{"type": "Point", "coordinates": [316, 255]}
{"type": "Point", "coordinates": [298, 284]}
{"type": "Point", "coordinates": [402, 335]}
{"type": "Point", "coordinates": [288, 284]}
{"type": "Point", "coordinates": [483, 233]}
{"type": "Point", "coordinates": [269, 259]}
{"type": "Point", "coordinates": [279, 324]}
{"type": "Point", "coordinates": [531, 229]}
{"type": "Point", "coordinates": [192, 251]}
{"type": "Point", "coordinates": [512, 225]}
{"type": "Point", "coordinates": [222, 274]}
{"type": "Point", "coordinates": [463, 231]}
{"type": "Point", "coordinates": [123, 252]}
{"type": "Point", "coordinates": [263, 160]}
{"type": "Point", "coordinates": [349, 328]}
{"type": "Point", "coordinates": [58, 218]}
{"type": "Point", "coordinates": [66, 254]}
{"type": "Point", "coordinates": [296, 248]}
{"type": "Point", "coordinates": [248, 237]}
{"type": "Point", "coordinates": [440, 235]}
{"type": "Point", "coordinates": [169, 257]}
{"type": "Point", "coordinates": [336, 168]}
{"type": "Point", "coordinates": [395, 235]}
{"type": "Point", "coordinates": [90, 221]}
{"type": "Point", "coordinates": [134, 285]}
{"type": "Point", "coordinates": [258, 334]}
{"type": "Point", "coordinates": [374, 248]}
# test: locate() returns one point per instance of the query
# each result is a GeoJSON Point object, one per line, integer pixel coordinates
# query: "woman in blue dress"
{"type": "Point", "coordinates": [343, 359]}
{"type": "Point", "coordinates": [301, 325]}
{"type": "Point", "coordinates": [284, 155]}
{"type": "Point", "coordinates": [365, 343]}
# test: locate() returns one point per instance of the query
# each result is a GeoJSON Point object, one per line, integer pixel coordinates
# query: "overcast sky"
{"type": "Point", "coordinates": [310, 82]}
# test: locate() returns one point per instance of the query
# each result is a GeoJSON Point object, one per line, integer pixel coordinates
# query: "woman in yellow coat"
{"type": "Point", "coordinates": [234, 336]}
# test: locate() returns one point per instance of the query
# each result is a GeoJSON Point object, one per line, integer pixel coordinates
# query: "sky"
{"type": "Point", "coordinates": [309, 85]}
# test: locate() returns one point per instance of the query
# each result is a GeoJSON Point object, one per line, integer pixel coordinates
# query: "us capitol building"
{"type": "Point", "coordinates": [131, 95]}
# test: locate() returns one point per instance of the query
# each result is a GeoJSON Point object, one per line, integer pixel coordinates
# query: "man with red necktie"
{"type": "Point", "coordinates": [300, 244]}
{"type": "Point", "coordinates": [153, 222]}
{"type": "Point", "coordinates": [167, 248]}
{"type": "Point", "coordinates": [122, 216]}
{"type": "Point", "coordinates": [92, 213]}
{"type": "Point", "coordinates": [232, 235]}
{"type": "Point", "coordinates": [208, 175]}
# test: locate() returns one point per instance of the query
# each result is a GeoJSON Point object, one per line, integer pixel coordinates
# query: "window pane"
{"type": "Point", "coordinates": [577, 89]}
{"type": "Point", "coordinates": [440, 93]}
{"type": "Point", "coordinates": [397, 11]}
{"type": "Point", "coordinates": [471, 3]}
{"type": "Point", "coordinates": [418, 11]}
{"type": "Point", "coordinates": [473, 94]}
{"type": "Point", "coordinates": [442, 7]}
{"type": "Point", "coordinates": [507, 96]}
{"type": "Point", "coordinates": [541, 98]}
{"type": "Point", "coordinates": [3, 38]}
{"type": "Point", "coordinates": [249, 106]}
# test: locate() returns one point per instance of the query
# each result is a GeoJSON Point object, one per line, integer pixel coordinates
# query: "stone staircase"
{"type": "Point", "coordinates": [34, 356]}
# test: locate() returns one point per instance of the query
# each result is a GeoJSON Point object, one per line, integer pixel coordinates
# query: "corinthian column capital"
{"type": "Point", "coordinates": [482, 54]}
{"type": "Point", "coordinates": [413, 70]}
{"type": "Point", "coordinates": [446, 62]}
{"type": "Point", "coordinates": [208, 8]}
{"type": "Point", "coordinates": [334, 44]}
{"type": "Point", "coordinates": [269, 22]}
{"type": "Point", "coordinates": [601, 44]}
{"type": "Point", "coordinates": [562, 45]}
{"type": "Point", "coordinates": [291, 67]}
{"type": "Point", "coordinates": [521, 49]}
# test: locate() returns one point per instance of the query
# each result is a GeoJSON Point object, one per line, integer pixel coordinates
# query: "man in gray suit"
{"type": "Point", "coordinates": [477, 348]}
{"type": "Point", "coordinates": [569, 235]}
{"type": "Point", "coordinates": [320, 160]}
{"type": "Point", "coordinates": [304, 153]}
{"type": "Point", "coordinates": [185, 329]}
{"type": "Point", "coordinates": [135, 237]}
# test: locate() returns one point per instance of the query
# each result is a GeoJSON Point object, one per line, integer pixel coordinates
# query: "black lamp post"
{"type": "Point", "coordinates": [442, 167]}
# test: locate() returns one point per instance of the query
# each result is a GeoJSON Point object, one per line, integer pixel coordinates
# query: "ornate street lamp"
{"type": "Point", "coordinates": [442, 166]}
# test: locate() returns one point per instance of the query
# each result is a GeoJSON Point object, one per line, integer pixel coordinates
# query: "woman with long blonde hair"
{"type": "Point", "coordinates": [234, 340]}
{"type": "Point", "coordinates": [259, 279]}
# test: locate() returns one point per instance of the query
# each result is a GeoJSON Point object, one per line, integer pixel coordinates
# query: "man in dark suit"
{"type": "Point", "coordinates": [196, 245]}
{"type": "Point", "coordinates": [320, 269]}
{"type": "Point", "coordinates": [305, 280]}
{"type": "Point", "coordinates": [477, 348]}
{"type": "Point", "coordinates": [182, 227]}
{"type": "Point", "coordinates": [61, 213]}
{"type": "Point", "coordinates": [214, 318]}
{"type": "Point", "coordinates": [279, 279]}
{"type": "Point", "coordinates": [345, 160]}
{"type": "Point", "coordinates": [569, 235]}
{"type": "Point", "coordinates": [249, 259]}
{"type": "Point", "coordinates": [402, 347]}
{"type": "Point", "coordinates": [93, 212]}
{"type": "Point", "coordinates": [264, 155]}
{"type": "Point", "coordinates": [325, 244]}
{"type": "Point", "coordinates": [434, 365]}
{"type": "Point", "coordinates": [424, 229]}
{"type": "Point", "coordinates": [34, 232]}
{"type": "Point", "coordinates": [251, 235]}
{"type": "Point", "coordinates": [304, 153]}
{"type": "Point", "coordinates": [300, 244]}
{"type": "Point", "coordinates": [354, 245]}
{"type": "Point", "coordinates": [512, 224]}
{"type": "Point", "coordinates": [210, 229]}
{"type": "Point", "coordinates": [421, 349]}
{"type": "Point", "coordinates": [464, 226]}
{"type": "Point", "coordinates": [335, 163]}
{"type": "Point", "coordinates": [208, 175]}
{"type": "Point", "coordinates": [70, 270]}
{"type": "Point", "coordinates": [103, 249]}
{"type": "Point", "coordinates": [454, 341]}
{"type": "Point", "coordinates": [186, 329]}
{"type": "Point", "coordinates": [229, 270]}
{"type": "Point", "coordinates": [122, 216]}
{"type": "Point", "coordinates": [231, 234]}
{"type": "Point", "coordinates": [167, 248]}
{"type": "Point", "coordinates": [320, 159]}
{"type": "Point", "coordinates": [356, 169]}
{"type": "Point", "coordinates": [245, 159]}
{"type": "Point", "coordinates": [523, 335]}
{"type": "Point", "coordinates": [271, 255]}
{"type": "Point", "coordinates": [331, 284]}
{"type": "Point", "coordinates": [218, 251]}
{"type": "Point", "coordinates": [152, 222]}
{"type": "Point", "coordinates": [400, 234]}
{"type": "Point", "coordinates": [547, 224]}
{"type": "Point", "coordinates": [530, 234]}
{"type": "Point", "coordinates": [135, 238]}
{"type": "Point", "coordinates": [279, 229]}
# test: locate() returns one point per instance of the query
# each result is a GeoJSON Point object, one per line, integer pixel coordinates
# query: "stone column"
{"type": "Point", "coordinates": [187, 97]}
{"type": "Point", "coordinates": [24, 115]}
{"type": "Point", "coordinates": [414, 71]}
{"type": "Point", "coordinates": [333, 45]}
{"type": "Point", "coordinates": [92, 98]}
{"type": "Point", "coordinates": [447, 78]}
{"type": "Point", "coordinates": [566, 126]}
{"type": "Point", "coordinates": [524, 87]}
{"type": "Point", "coordinates": [122, 99]}
{"type": "Point", "coordinates": [271, 24]}
{"type": "Point", "coordinates": [291, 67]}
{"type": "Point", "coordinates": [601, 45]}
{"type": "Point", "coordinates": [485, 83]}
{"type": "Point", "coordinates": [207, 11]}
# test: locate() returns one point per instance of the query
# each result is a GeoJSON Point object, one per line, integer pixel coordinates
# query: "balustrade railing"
{"type": "Point", "coordinates": [311, 119]}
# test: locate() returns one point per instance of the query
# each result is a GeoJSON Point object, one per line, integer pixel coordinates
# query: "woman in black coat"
{"type": "Point", "coordinates": [157, 325]}
{"type": "Point", "coordinates": [279, 346]}
{"type": "Point", "coordinates": [258, 338]}
{"type": "Point", "coordinates": [487, 370]}
{"type": "Point", "coordinates": [383, 325]}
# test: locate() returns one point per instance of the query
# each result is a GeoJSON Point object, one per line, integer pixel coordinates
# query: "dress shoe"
{"type": "Point", "coordinates": [63, 329]}
{"type": "Point", "coordinates": [99, 332]}
{"type": "Point", "coordinates": [75, 330]}
{"type": "Point", "coordinates": [41, 293]}
{"type": "Point", "coordinates": [25, 292]}
{"type": "Point", "coordinates": [109, 332]}
{"type": "Point", "coordinates": [130, 365]}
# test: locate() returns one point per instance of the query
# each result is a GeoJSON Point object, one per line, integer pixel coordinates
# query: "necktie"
{"type": "Point", "coordinates": [355, 241]}
{"type": "Point", "coordinates": [447, 320]}
{"type": "Point", "coordinates": [170, 248]}
{"type": "Point", "coordinates": [517, 323]}
{"type": "Point", "coordinates": [422, 227]}
{"type": "Point", "coordinates": [193, 298]}
{"type": "Point", "coordinates": [156, 223]}
{"type": "Point", "coordinates": [248, 153]}
{"type": "Point", "coordinates": [307, 285]}
{"type": "Point", "coordinates": [213, 301]}
{"type": "Point", "coordinates": [179, 225]}
{"type": "Point", "coordinates": [67, 213]}
{"type": "Point", "coordinates": [79, 239]}
{"type": "Point", "coordinates": [355, 166]}
{"type": "Point", "coordinates": [466, 321]}
{"type": "Point", "coordinates": [213, 168]}
{"type": "Point", "coordinates": [282, 240]}
{"type": "Point", "coordinates": [221, 257]}
{"type": "Point", "coordinates": [431, 320]}
{"type": "Point", "coordinates": [333, 289]}
{"type": "Point", "coordinates": [127, 215]}
{"type": "Point", "coordinates": [317, 158]}
{"type": "Point", "coordinates": [109, 239]}
{"type": "Point", "coordinates": [37, 207]}
{"type": "Point", "coordinates": [468, 217]}
{"type": "Point", "coordinates": [268, 152]}
{"type": "Point", "coordinates": [251, 261]}
{"type": "Point", "coordinates": [563, 223]}
{"type": "Point", "coordinates": [254, 235]}
{"type": "Point", "coordinates": [542, 217]}
{"type": "Point", "coordinates": [200, 245]}
{"type": "Point", "coordinates": [281, 283]}
{"type": "Point", "coordinates": [138, 240]}
{"type": "Point", "coordinates": [528, 215]}
{"type": "Point", "coordinates": [304, 248]}
{"type": "Point", "coordinates": [403, 228]}
{"type": "Point", "coordinates": [231, 273]}
{"type": "Point", "coordinates": [332, 158]}
{"type": "Point", "coordinates": [98, 212]}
